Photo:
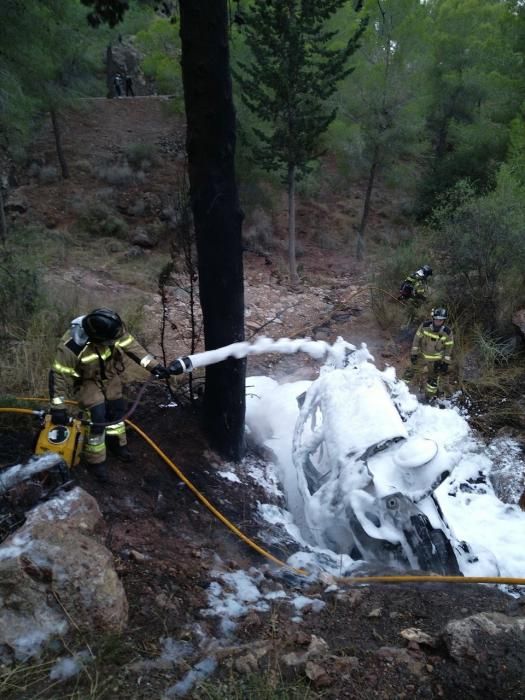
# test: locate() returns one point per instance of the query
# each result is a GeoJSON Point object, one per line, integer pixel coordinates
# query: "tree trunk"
{"type": "Point", "coordinates": [58, 144]}
{"type": "Point", "coordinates": [292, 257]}
{"type": "Point", "coordinates": [111, 69]}
{"type": "Point", "coordinates": [360, 249]}
{"type": "Point", "coordinates": [3, 220]}
{"type": "Point", "coordinates": [210, 142]}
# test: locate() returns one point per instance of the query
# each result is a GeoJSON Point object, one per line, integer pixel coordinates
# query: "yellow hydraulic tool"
{"type": "Point", "coordinates": [65, 440]}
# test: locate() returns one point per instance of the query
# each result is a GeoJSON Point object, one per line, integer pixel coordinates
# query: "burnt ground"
{"type": "Point", "coordinates": [167, 545]}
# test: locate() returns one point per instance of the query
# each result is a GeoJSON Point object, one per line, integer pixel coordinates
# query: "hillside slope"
{"type": "Point", "coordinates": [109, 229]}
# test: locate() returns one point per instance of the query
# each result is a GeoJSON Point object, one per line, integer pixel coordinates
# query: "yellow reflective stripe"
{"type": "Point", "coordinates": [116, 429]}
{"type": "Point", "coordinates": [434, 336]}
{"type": "Point", "coordinates": [95, 444]}
{"type": "Point", "coordinates": [62, 369]}
{"type": "Point", "coordinates": [146, 360]}
{"type": "Point", "coordinates": [448, 342]}
{"type": "Point", "coordinates": [432, 357]}
{"type": "Point", "coordinates": [125, 342]}
{"type": "Point", "coordinates": [91, 358]}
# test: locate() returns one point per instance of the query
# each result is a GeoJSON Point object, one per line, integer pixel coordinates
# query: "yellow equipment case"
{"type": "Point", "coordinates": [65, 440]}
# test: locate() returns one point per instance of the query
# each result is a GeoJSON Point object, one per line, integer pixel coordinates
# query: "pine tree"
{"type": "Point", "coordinates": [295, 68]}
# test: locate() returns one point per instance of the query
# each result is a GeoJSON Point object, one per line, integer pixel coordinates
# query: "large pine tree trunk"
{"type": "Point", "coordinates": [292, 255]}
{"type": "Point", "coordinates": [210, 143]}
{"type": "Point", "coordinates": [3, 220]}
{"type": "Point", "coordinates": [58, 144]}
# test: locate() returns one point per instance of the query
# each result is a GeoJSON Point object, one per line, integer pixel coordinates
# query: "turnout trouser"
{"type": "Point", "coordinates": [423, 377]}
{"type": "Point", "coordinates": [111, 412]}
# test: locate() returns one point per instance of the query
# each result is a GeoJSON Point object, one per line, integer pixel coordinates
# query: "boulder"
{"type": "Point", "coordinates": [484, 636]}
{"type": "Point", "coordinates": [54, 573]}
{"type": "Point", "coordinates": [143, 239]}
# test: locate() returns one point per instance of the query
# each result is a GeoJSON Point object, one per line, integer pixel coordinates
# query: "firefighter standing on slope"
{"type": "Point", "coordinates": [88, 367]}
{"type": "Point", "coordinates": [431, 351]}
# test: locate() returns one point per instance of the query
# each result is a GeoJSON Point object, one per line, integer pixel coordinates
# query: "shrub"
{"type": "Point", "coordinates": [100, 220]}
{"type": "Point", "coordinates": [48, 174]}
{"type": "Point", "coordinates": [141, 156]}
{"type": "Point", "coordinates": [116, 174]}
{"type": "Point", "coordinates": [480, 240]}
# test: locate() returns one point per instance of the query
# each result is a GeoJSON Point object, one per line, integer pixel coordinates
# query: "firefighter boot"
{"type": "Point", "coordinates": [120, 451]}
{"type": "Point", "coordinates": [100, 472]}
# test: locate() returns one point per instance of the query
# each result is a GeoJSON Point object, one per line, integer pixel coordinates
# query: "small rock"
{"type": "Point", "coordinates": [318, 675]}
{"type": "Point", "coordinates": [414, 634]}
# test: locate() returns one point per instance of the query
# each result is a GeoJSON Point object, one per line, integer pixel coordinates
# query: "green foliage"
{"type": "Point", "coordinates": [31, 319]}
{"type": "Point", "coordinates": [100, 220]}
{"type": "Point", "coordinates": [480, 241]}
{"type": "Point", "coordinates": [472, 85]}
{"type": "Point", "coordinates": [57, 64]}
{"type": "Point", "coordinates": [268, 686]}
{"type": "Point", "coordinates": [160, 42]}
{"type": "Point", "coordinates": [516, 155]}
{"type": "Point", "coordinates": [141, 156]}
{"type": "Point", "coordinates": [293, 71]}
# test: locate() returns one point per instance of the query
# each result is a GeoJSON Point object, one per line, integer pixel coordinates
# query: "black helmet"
{"type": "Point", "coordinates": [427, 270]}
{"type": "Point", "coordinates": [102, 325]}
{"type": "Point", "coordinates": [441, 314]}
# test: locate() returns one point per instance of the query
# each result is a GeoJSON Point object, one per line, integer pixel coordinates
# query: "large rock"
{"type": "Point", "coordinates": [485, 636]}
{"type": "Point", "coordinates": [55, 573]}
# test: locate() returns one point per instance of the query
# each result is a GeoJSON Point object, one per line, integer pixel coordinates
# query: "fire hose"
{"type": "Point", "coordinates": [260, 550]}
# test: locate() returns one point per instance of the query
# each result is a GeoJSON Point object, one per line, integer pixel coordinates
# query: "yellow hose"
{"type": "Point", "coordinates": [209, 505]}
{"type": "Point", "coordinates": [430, 579]}
{"type": "Point", "coordinates": [271, 557]}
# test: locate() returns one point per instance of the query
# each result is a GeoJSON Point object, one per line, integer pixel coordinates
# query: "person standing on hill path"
{"type": "Point", "coordinates": [129, 86]}
{"type": "Point", "coordinates": [117, 84]}
{"type": "Point", "coordinates": [431, 354]}
{"type": "Point", "coordinates": [89, 368]}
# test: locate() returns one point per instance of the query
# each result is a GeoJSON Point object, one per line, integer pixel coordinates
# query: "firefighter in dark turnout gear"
{"type": "Point", "coordinates": [415, 286]}
{"type": "Point", "coordinates": [88, 367]}
{"type": "Point", "coordinates": [431, 353]}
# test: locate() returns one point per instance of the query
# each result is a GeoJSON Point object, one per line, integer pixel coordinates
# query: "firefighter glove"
{"type": "Point", "coordinates": [160, 372]}
{"type": "Point", "coordinates": [59, 416]}
{"type": "Point", "coordinates": [441, 367]}
{"type": "Point", "coordinates": [413, 359]}
{"type": "Point", "coordinates": [181, 365]}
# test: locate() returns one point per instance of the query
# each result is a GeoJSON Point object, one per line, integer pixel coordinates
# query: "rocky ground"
{"type": "Point", "coordinates": [382, 641]}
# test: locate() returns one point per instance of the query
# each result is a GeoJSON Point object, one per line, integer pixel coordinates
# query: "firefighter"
{"type": "Point", "coordinates": [415, 286]}
{"type": "Point", "coordinates": [431, 352]}
{"type": "Point", "coordinates": [88, 367]}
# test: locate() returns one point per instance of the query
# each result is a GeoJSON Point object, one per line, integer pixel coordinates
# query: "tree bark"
{"type": "Point", "coordinates": [292, 255]}
{"type": "Point", "coordinates": [58, 144]}
{"type": "Point", "coordinates": [210, 142]}
{"type": "Point", "coordinates": [3, 220]}
{"type": "Point", "coordinates": [360, 250]}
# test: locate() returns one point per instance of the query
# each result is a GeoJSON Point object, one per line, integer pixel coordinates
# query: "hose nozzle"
{"type": "Point", "coordinates": [180, 365]}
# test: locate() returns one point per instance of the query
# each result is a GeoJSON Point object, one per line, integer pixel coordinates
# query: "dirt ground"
{"type": "Point", "coordinates": [167, 545]}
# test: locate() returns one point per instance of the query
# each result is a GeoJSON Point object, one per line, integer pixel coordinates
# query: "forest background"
{"type": "Point", "coordinates": [430, 105]}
